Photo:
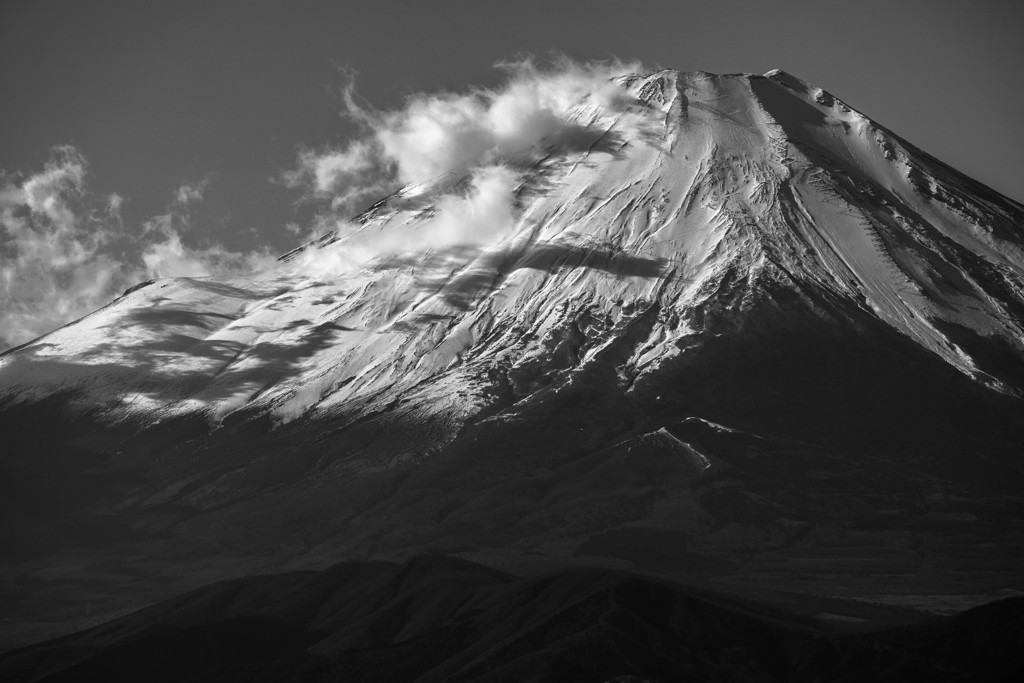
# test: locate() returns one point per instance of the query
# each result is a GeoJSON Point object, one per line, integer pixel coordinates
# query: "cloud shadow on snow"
{"type": "Point", "coordinates": [461, 276]}
{"type": "Point", "coordinates": [217, 369]}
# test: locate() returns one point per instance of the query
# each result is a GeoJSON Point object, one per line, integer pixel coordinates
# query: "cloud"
{"type": "Point", "coordinates": [171, 257]}
{"type": "Point", "coordinates": [481, 216]}
{"type": "Point", "coordinates": [342, 178]}
{"type": "Point", "coordinates": [47, 193]}
{"type": "Point", "coordinates": [191, 193]}
{"type": "Point", "coordinates": [65, 251]}
{"type": "Point", "coordinates": [435, 135]}
{"type": "Point", "coordinates": [432, 135]}
{"type": "Point", "coordinates": [52, 269]}
{"type": "Point", "coordinates": [330, 170]}
{"type": "Point", "coordinates": [483, 139]}
{"type": "Point", "coordinates": [114, 204]}
{"type": "Point", "coordinates": [459, 155]}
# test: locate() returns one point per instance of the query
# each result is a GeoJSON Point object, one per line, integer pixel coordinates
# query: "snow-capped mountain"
{"type": "Point", "coordinates": [734, 329]}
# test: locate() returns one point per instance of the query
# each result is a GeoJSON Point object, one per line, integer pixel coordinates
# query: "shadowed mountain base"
{"type": "Point", "coordinates": [435, 618]}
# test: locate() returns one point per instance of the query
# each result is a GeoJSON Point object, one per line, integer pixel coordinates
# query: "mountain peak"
{"type": "Point", "coordinates": [736, 176]}
{"type": "Point", "coordinates": [781, 74]}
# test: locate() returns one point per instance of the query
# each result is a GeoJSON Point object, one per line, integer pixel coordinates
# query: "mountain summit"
{"type": "Point", "coordinates": [724, 328]}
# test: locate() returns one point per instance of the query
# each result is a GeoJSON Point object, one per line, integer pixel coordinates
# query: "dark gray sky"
{"type": "Point", "coordinates": [156, 94]}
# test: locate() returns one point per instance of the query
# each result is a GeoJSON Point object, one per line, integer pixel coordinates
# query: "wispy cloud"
{"type": "Point", "coordinates": [66, 251]}
{"type": "Point", "coordinates": [436, 134]}
{"type": "Point", "coordinates": [482, 214]}
{"type": "Point", "coordinates": [168, 256]}
{"type": "Point", "coordinates": [191, 193]}
{"type": "Point", "coordinates": [481, 139]}
{"type": "Point", "coordinates": [114, 204]}
{"type": "Point", "coordinates": [453, 133]}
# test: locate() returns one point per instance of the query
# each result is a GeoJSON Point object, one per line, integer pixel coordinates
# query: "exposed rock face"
{"type": "Point", "coordinates": [743, 333]}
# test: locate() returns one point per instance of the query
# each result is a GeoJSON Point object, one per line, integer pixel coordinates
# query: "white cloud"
{"type": "Point", "coordinates": [171, 257]}
{"type": "Point", "coordinates": [485, 137]}
{"type": "Point", "coordinates": [64, 251]}
{"type": "Point", "coordinates": [47, 193]}
{"type": "Point", "coordinates": [454, 133]}
{"type": "Point", "coordinates": [330, 170]}
{"type": "Point", "coordinates": [191, 193]}
{"type": "Point", "coordinates": [479, 217]}
{"type": "Point", "coordinates": [437, 134]}
{"type": "Point", "coordinates": [52, 270]}
{"type": "Point", "coordinates": [114, 204]}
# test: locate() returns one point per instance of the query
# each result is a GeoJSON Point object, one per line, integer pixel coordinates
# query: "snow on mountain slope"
{"type": "Point", "coordinates": [734, 329]}
{"type": "Point", "coordinates": [726, 179]}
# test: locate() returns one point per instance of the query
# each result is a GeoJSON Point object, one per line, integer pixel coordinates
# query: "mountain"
{"type": "Point", "coordinates": [733, 333]}
{"type": "Point", "coordinates": [439, 619]}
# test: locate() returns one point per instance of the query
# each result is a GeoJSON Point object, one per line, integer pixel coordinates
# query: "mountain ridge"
{"type": "Point", "coordinates": [890, 295]}
{"type": "Point", "coordinates": [746, 251]}
{"type": "Point", "coordinates": [435, 618]}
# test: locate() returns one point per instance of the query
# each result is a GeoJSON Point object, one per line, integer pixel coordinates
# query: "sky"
{"type": "Point", "coordinates": [173, 134]}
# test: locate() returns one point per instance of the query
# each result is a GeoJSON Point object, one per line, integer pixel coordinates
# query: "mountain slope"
{"type": "Point", "coordinates": [435, 619]}
{"type": "Point", "coordinates": [735, 331]}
